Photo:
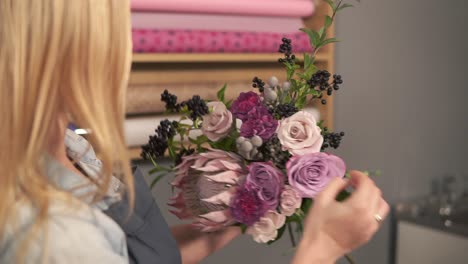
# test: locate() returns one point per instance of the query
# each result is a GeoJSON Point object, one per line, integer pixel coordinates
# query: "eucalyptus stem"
{"type": "Point", "coordinates": [291, 235]}
{"type": "Point", "coordinates": [349, 259]}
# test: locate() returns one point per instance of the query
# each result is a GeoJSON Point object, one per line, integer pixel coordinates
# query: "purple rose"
{"type": "Point", "coordinates": [259, 122]}
{"type": "Point", "coordinates": [244, 103]}
{"type": "Point", "coordinates": [268, 182]}
{"type": "Point", "coordinates": [310, 173]}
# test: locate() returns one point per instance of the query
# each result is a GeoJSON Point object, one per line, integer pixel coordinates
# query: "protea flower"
{"type": "Point", "coordinates": [206, 182]}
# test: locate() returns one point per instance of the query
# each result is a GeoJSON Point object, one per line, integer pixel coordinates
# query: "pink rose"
{"type": "Point", "coordinates": [217, 124]}
{"type": "Point", "coordinates": [299, 134]}
{"type": "Point", "coordinates": [290, 201]}
{"type": "Point", "coordinates": [266, 229]}
{"type": "Point", "coordinates": [309, 174]}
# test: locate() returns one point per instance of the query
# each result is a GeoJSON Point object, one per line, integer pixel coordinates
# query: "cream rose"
{"type": "Point", "coordinates": [266, 229]}
{"type": "Point", "coordinates": [218, 122]}
{"type": "Point", "coordinates": [290, 201]}
{"type": "Point", "coordinates": [299, 134]}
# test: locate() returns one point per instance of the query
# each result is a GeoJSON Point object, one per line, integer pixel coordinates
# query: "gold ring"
{"type": "Point", "coordinates": [378, 218]}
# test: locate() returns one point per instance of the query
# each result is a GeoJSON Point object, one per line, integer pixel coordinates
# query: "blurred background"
{"type": "Point", "coordinates": [402, 105]}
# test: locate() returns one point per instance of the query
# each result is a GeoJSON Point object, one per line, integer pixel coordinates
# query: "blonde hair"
{"type": "Point", "coordinates": [60, 56]}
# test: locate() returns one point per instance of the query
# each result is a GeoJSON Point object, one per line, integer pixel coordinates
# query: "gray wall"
{"type": "Point", "coordinates": [403, 107]}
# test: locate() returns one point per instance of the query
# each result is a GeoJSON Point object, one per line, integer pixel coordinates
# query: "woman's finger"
{"type": "Point", "coordinates": [364, 188]}
{"type": "Point", "coordinates": [383, 209]}
{"type": "Point", "coordinates": [333, 189]}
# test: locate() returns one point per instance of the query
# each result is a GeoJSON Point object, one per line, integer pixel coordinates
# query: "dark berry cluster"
{"type": "Point", "coordinates": [258, 83]}
{"type": "Point", "coordinates": [337, 80]}
{"type": "Point", "coordinates": [196, 106]}
{"type": "Point", "coordinates": [331, 139]}
{"type": "Point", "coordinates": [170, 100]}
{"type": "Point", "coordinates": [286, 49]}
{"type": "Point", "coordinates": [321, 81]}
{"type": "Point", "coordinates": [283, 110]}
{"type": "Point", "coordinates": [158, 143]}
{"type": "Point", "coordinates": [272, 151]}
{"type": "Point", "coordinates": [184, 152]}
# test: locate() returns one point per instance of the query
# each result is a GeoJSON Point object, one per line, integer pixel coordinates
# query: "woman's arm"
{"type": "Point", "coordinates": [195, 245]}
{"type": "Point", "coordinates": [333, 228]}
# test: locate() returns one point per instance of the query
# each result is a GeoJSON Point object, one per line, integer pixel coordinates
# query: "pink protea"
{"type": "Point", "coordinates": [206, 183]}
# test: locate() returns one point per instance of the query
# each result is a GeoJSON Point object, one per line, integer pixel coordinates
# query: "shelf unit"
{"type": "Point", "coordinates": [166, 68]}
{"type": "Point", "coordinates": [212, 58]}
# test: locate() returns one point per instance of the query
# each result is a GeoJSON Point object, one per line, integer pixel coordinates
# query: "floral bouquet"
{"type": "Point", "coordinates": [257, 161]}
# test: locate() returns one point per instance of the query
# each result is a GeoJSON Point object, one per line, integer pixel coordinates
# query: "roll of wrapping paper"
{"type": "Point", "coordinates": [138, 129]}
{"type": "Point", "coordinates": [241, 7]}
{"type": "Point", "coordinates": [146, 99]}
{"type": "Point", "coordinates": [160, 20]}
{"type": "Point", "coordinates": [206, 41]}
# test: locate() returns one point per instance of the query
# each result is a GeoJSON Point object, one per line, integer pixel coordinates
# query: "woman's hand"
{"type": "Point", "coordinates": [333, 228]}
{"type": "Point", "coordinates": [195, 245]}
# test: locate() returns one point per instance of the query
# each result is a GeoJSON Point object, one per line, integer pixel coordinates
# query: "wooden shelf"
{"type": "Point", "coordinates": [215, 57]}
{"type": "Point", "coordinates": [134, 153]}
{"type": "Point", "coordinates": [186, 68]}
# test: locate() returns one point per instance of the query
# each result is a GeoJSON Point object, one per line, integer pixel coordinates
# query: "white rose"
{"type": "Point", "coordinates": [266, 229]}
{"type": "Point", "coordinates": [217, 123]}
{"type": "Point", "coordinates": [290, 201]}
{"type": "Point", "coordinates": [299, 134]}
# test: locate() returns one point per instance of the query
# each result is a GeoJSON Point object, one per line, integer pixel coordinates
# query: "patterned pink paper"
{"type": "Point", "coordinates": [201, 41]}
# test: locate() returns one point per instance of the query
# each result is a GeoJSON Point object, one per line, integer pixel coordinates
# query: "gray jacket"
{"type": "Point", "coordinates": [148, 236]}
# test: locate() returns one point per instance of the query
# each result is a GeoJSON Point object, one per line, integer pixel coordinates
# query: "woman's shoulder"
{"type": "Point", "coordinates": [74, 233]}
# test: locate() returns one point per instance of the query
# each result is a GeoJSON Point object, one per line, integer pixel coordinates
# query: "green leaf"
{"type": "Point", "coordinates": [343, 7]}
{"type": "Point", "coordinates": [221, 93]}
{"type": "Point", "coordinates": [301, 75]}
{"type": "Point", "coordinates": [295, 218]}
{"type": "Point", "coordinates": [228, 104]}
{"type": "Point", "coordinates": [314, 37]}
{"type": "Point", "coordinates": [199, 140]}
{"type": "Point", "coordinates": [227, 144]}
{"type": "Point", "coordinates": [301, 102]}
{"type": "Point", "coordinates": [320, 123]}
{"type": "Point", "coordinates": [308, 73]}
{"type": "Point", "coordinates": [157, 179]}
{"type": "Point", "coordinates": [343, 195]}
{"type": "Point", "coordinates": [300, 227]}
{"type": "Point", "coordinates": [328, 21]}
{"type": "Point", "coordinates": [331, 4]}
{"type": "Point", "coordinates": [307, 61]}
{"type": "Point", "coordinates": [306, 204]}
{"type": "Point", "coordinates": [159, 169]}
{"type": "Point", "coordinates": [280, 234]}
{"type": "Point", "coordinates": [242, 227]}
{"type": "Point", "coordinates": [323, 34]}
{"type": "Point", "coordinates": [171, 149]}
{"type": "Point", "coordinates": [330, 40]}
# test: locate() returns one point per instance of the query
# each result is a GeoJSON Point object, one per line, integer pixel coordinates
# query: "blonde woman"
{"type": "Point", "coordinates": [67, 61]}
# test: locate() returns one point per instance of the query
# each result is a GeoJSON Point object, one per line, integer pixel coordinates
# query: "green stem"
{"type": "Point", "coordinates": [291, 235]}
{"type": "Point", "coordinates": [349, 259]}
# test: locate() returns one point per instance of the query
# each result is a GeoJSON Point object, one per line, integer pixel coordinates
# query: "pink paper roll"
{"type": "Point", "coordinates": [155, 20]}
{"type": "Point", "coordinates": [242, 7]}
{"type": "Point", "coordinates": [201, 41]}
